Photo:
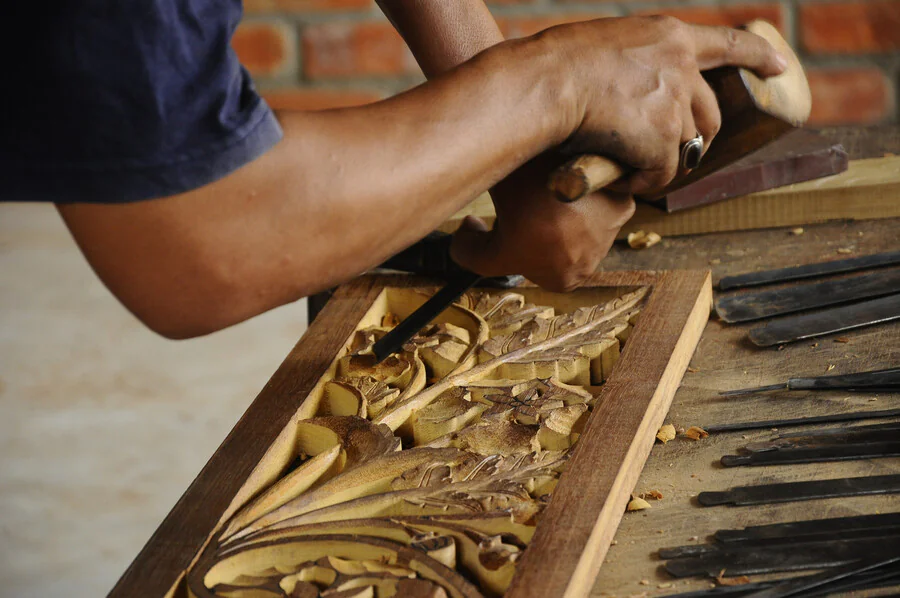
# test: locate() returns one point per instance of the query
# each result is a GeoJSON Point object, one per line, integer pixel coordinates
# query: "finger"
{"type": "Point", "coordinates": [474, 247]}
{"type": "Point", "coordinates": [724, 46]}
{"type": "Point", "coordinates": [705, 109]}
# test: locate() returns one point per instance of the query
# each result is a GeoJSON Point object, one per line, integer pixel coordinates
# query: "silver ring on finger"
{"type": "Point", "coordinates": [691, 152]}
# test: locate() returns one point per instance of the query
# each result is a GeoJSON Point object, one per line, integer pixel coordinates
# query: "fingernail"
{"type": "Point", "coordinates": [781, 60]}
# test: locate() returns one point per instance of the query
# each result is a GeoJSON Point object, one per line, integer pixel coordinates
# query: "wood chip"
{"type": "Point", "coordinates": [665, 585]}
{"type": "Point", "coordinates": [797, 231]}
{"type": "Point", "coordinates": [642, 240]}
{"type": "Point", "coordinates": [814, 345]}
{"type": "Point", "coordinates": [644, 582]}
{"type": "Point", "coordinates": [845, 250]}
{"type": "Point", "coordinates": [842, 340]}
{"type": "Point", "coordinates": [731, 581]}
{"type": "Point", "coordinates": [693, 370]}
{"type": "Point", "coordinates": [830, 367]}
{"type": "Point", "coordinates": [666, 433]}
{"type": "Point", "coordinates": [715, 262]}
{"type": "Point", "coordinates": [637, 504]}
{"type": "Point", "coordinates": [696, 433]}
{"type": "Point", "coordinates": [652, 495]}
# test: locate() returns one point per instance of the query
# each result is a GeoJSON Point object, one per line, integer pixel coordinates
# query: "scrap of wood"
{"type": "Point", "coordinates": [867, 189]}
{"type": "Point", "coordinates": [696, 433]}
{"type": "Point", "coordinates": [666, 433]}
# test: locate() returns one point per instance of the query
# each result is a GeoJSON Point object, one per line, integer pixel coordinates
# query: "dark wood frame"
{"type": "Point", "coordinates": [577, 527]}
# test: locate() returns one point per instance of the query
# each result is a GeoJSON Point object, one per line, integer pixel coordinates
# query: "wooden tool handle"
{"type": "Point", "coordinates": [585, 174]}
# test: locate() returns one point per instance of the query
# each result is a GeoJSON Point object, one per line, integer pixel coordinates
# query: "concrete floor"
{"type": "Point", "coordinates": [102, 423]}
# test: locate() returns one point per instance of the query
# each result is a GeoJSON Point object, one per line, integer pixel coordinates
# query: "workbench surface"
{"type": "Point", "coordinates": [725, 360]}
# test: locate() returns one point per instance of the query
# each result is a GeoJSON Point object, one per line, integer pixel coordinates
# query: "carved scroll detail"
{"type": "Point", "coordinates": [425, 475]}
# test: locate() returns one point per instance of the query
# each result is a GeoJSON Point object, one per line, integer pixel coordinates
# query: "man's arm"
{"type": "Point", "coordinates": [347, 188]}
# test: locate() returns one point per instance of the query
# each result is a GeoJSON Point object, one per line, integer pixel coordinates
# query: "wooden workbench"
{"type": "Point", "coordinates": [726, 360]}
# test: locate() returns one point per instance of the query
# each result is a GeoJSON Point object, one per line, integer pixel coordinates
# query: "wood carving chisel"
{"type": "Point", "coordinates": [698, 550]}
{"type": "Point", "coordinates": [812, 528]}
{"type": "Point", "coordinates": [815, 454]}
{"type": "Point", "coordinates": [887, 380]}
{"type": "Point", "coordinates": [828, 321]}
{"type": "Point", "coordinates": [802, 421]}
{"type": "Point", "coordinates": [852, 264]}
{"type": "Point", "coordinates": [756, 305]}
{"type": "Point", "coordinates": [767, 494]}
{"type": "Point", "coordinates": [753, 561]}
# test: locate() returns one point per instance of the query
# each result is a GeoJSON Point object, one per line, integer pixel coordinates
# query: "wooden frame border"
{"type": "Point", "coordinates": [580, 521]}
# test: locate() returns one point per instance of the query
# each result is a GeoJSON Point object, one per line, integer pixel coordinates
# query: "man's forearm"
{"type": "Point", "coordinates": [342, 192]}
{"type": "Point", "coordinates": [442, 35]}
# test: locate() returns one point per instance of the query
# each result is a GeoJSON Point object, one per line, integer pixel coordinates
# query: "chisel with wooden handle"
{"type": "Point", "coordinates": [754, 112]}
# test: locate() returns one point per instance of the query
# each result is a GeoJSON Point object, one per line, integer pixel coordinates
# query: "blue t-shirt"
{"type": "Point", "coordinates": [112, 101]}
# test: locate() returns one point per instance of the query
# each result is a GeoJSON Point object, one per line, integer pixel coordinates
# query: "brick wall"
{"type": "Point", "coordinates": [313, 54]}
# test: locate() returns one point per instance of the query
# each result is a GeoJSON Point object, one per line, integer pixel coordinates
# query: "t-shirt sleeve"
{"type": "Point", "coordinates": [115, 102]}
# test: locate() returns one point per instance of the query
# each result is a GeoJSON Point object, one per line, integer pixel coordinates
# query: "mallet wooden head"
{"type": "Point", "coordinates": [754, 111]}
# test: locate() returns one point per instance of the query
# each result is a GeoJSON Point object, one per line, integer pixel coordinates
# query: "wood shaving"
{"type": "Point", "coordinates": [644, 582]}
{"type": "Point", "coordinates": [842, 340]}
{"type": "Point", "coordinates": [814, 345]}
{"type": "Point", "coordinates": [797, 231]}
{"type": "Point", "coordinates": [696, 433]}
{"type": "Point", "coordinates": [731, 581]}
{"type": "Point", "coordinates": [668, 584]}
{"type": "Point", "coordinates": [637, 504]}
{"type": "Point", "coordinates": [845, 250]}
{"type": "Point", "coordinates": [643, 240]}
{"type": "Point", "coordinates": [715, 262]}
{"type": "Point", "coordinates": [693, 370]}
{"type": "Point", "coordinates": [666, 433]}
{"type": "Point", "coordinates": [829, 368]}
{"type": "Point", "coordinates": [652, 495]}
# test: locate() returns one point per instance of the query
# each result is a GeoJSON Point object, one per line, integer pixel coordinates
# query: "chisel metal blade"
{"type": "Point", "coordinates": [798, 491]}
{"type": "Point", "coordinates": [886, 380]}
{"type": "Point", "coordinates": [828, 321]}
{"type": "Point", "coordinates": [753, 561]}
{"type": "Point", "coordinates": [812, 528]}
{"type": "Point", "coordinates": [809, 270]}
{"type": "Point", "coordinates": [394, 340]}
{"type": "Point", "coordinates": [744, 307]}
{"type": "Point", "coordinates": [816, 454]}
{"type": "Point", "coordinates": [802, 421]}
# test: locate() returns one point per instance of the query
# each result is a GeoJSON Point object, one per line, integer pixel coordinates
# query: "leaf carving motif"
{"type": "Point", "coordinates": [426, 474]}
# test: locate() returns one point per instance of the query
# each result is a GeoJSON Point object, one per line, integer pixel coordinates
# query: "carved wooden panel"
{"type": "Point", "coordinates": [499, 445]}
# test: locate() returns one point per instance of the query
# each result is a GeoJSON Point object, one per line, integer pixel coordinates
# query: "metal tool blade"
{"type": "Point", "coordinates": [802, 421]}
{"type": "Point", "coordinates": [812, 528]}
{"type": "Point", "coordinates": [830, 437]}
{"type": "Point", "coordinates": [394, 340]}
{"type": "Point", "coordinates": [804, 585]}
{"type": "Point", "coordinates": [828, 321]}
{"type": "Point", "coordinates": [886, 380]}
{"type": "Point", "coordinates": [797, 543]}
{"type": "Point", "coordinates": [753, 561]}
{"type": "Point", "coordinates": [809, 270]}
{"type": "Point", "coordinates": [798, 491]}
{"type": "Point", "coordinates": [815, 454]}
{"type": "Point", "coordinates": [747, 306]}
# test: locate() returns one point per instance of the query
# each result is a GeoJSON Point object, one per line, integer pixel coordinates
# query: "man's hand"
{"type": "Point", "coordinates": [556, 245]}
{"type": "Point", "coordinates": [635, 91]}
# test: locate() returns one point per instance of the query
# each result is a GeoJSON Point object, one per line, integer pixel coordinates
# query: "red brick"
{"type": "Point", "coordinates": [265, 48]}
{"type": "Point", "coordinates": [850, 27]}
{"type": "Point", "coordinates": [728, 16]}
{"type": "Point", "coordinates": [525, 26]}
{"type": "Point", "coordinates": [251, 6]}
{"type": "Point", "coordinates": [354, 49]}
{"type": "Point", "coordinates": [318, 99]}
{"type": "Point", "coordinates": [851, 96]}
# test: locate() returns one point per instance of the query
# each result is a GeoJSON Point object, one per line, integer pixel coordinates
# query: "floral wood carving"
{"type": "Point", "coordinates": [425, 475]}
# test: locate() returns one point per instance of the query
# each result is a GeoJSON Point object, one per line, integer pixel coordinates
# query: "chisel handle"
{"type": "Point", "coordinates": [878, 380]}
{"type": "Point", "coordinates": [583, 175]}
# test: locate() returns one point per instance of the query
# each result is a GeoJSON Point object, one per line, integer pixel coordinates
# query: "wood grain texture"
{"type": "Point", "coordinates": [665, 336]}
{"type": "Point", "coordinates": [576, 529]}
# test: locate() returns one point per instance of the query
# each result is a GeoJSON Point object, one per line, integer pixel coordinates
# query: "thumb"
{"type": "Point", "coordinates": [473, 247]}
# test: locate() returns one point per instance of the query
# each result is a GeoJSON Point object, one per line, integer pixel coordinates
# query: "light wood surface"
{"type": "Point", "coordinates": [867, 189]}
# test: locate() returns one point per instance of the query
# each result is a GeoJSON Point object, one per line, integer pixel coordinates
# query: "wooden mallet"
{"type": "Point", "coordinates": [754, 112]}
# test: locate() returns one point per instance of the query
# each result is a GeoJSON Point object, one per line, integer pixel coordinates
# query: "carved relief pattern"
{"type": "Point", "coordinates": [425, 475]}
